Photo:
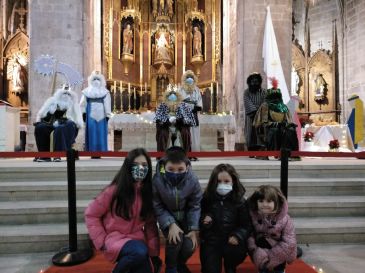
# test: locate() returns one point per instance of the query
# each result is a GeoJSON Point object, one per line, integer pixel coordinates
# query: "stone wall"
{"type": "Point", "coordinates": [57, 29]}
{"type": "Point", "coordinates": [354, 65]}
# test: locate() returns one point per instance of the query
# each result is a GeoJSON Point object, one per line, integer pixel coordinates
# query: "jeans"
{"type": "Point", "coordinates": [177, 255]}
{"type": "Point", "coordinates": [133, 258]}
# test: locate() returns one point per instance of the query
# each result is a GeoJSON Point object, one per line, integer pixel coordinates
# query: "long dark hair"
{"type": "Point", "coordinates": [124, 195]}
{"type": "Point", "coordinates": [238, 190]}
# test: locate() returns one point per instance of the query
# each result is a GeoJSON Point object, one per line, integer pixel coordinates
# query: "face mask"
{"type": "Point", "coordinates": [172, 97]}
{"type": "Point", "coordinates": [189, 81]}
{"type": "Point", "coordinates": [174, 178]}
{"type": "Point", "coordinates": [224, 189]}
{"type": "Point", "coordinates": [139, 172]}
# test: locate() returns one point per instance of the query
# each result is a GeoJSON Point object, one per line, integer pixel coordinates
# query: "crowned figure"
{"type": "Point", "coordinates": [173, 121]}
{"type": "Point", "coordinates": [96, 108]}
{"type": "Point", "coordinates": [58, 122]}
{"type": "Point", "coordinates": [273, 122]}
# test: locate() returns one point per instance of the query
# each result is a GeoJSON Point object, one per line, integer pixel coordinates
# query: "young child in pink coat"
{"type": "Point", "coordinates": [273, 243]}
{"type": "Point", "coordinates": [121, 221]}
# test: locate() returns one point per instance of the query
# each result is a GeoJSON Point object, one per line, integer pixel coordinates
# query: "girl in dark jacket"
{"type": "Point", "coordinates": [225, 222]}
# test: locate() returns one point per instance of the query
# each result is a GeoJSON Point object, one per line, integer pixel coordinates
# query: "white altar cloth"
{"type": "Point", "coordinates": [139, 130]}
{"type": "Point", "coordinates": [324, 134]}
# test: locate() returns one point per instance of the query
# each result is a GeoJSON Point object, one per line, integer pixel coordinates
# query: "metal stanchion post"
{"type": "Point", "coordinates": [72, 255]}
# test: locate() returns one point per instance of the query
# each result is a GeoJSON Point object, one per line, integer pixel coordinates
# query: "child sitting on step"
{"type": "Point", "coordinates": [176, 201]}
{"type": "Point", "coordinates": [121, 221]}
{"type": "Point", "coordinates": [273, 243]}
{"type": "Point", "coordinates": [225, 222]}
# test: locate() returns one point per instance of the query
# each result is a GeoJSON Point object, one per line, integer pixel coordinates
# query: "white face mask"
{"type": "Point", "coordinates": [224, 189]}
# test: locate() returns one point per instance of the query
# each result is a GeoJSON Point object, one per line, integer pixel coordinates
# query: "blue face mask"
{"type": "Point", "coordinates": [172, 97]}
{"type": "Point", "coordinates": [174, 178]}
{"type": "Point", "coordinates": [189, 81]}
{"type": "Point", "coordinates": [139, 172]}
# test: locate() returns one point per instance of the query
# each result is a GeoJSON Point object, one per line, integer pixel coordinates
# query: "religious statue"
{"type": "Point", "coordinates": [162, 6]}
{"type": "Point", "coordinates": [162, 49]}
{"type": "Point", "coordinates": [294, 82]}
{"type": "Point", "coordinates": [320, 87]}
{"type": "Point", "coordinates": [154, 7]}
{"type": "Point", "coordinates": [127, 39]}
{"type": "Point", "coordinates": [19, 76]}
{"type": "Point", "coordinates": [197, 42]}
{"type": "Point", "coordinates": [170, 7]}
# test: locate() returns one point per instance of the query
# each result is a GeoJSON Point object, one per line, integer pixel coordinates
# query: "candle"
{"type": "Point", "coordinates": [145, 87]}
{"type": "Point", "coordinates": [121, 86]}
{"type": "Point", "coordinates": [115, 86]}
{"type": "Point", "coordinates": [129, 88]}
{"type": "Point", "coordinates": [134, 93]}
{"type": "Point", "coordinates": [141, 91]}
{"type": "Point", "coordinates": [217, 84]}
{"type": "Point", "coordinates": [211, 97]}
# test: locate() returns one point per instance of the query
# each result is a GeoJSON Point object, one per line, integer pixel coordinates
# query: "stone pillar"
{"type": "Point", "coordinates": [354, 43]}
{"type": "Point", "coordinates": [57, 29]}
{"type": "Point", "coordinates": [244, 25]}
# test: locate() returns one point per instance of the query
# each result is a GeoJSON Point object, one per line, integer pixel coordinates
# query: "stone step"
{"type": "Point", "coordinates": [57, 190]}
{"type": "Point", "coordinates": [105, 169]}
{"type": "Point", "coordinates": [53, 237]}
{"type": "Point", "coordinates": [56, 211]}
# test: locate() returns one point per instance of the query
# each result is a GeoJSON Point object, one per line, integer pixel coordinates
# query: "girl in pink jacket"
{"type": "Point", "coordinates": [120, 220]}
{"type": "Point", "coordinates": [272, 243]}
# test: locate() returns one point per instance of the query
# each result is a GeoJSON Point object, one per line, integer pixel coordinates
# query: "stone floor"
{"type": "Point", "coordinates": [327, 258]}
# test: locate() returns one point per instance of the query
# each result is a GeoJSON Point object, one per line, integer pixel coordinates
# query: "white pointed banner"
{"type": "Point", "coordinates": [272, 63]}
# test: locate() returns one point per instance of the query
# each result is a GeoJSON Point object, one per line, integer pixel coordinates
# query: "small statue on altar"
{"type": "Point", "coordinates": [294, 82]}
{"type": "Point", "coordinates": [127, 39]}
{"type": "Point", "coordinates": [173, 121]}
{"type": "Point", "coordinates": [320, 87]}
{"type": "Point", "coordinates": [197, 42]}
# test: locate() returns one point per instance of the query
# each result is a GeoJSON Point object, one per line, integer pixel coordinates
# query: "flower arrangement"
{"type": "Point", "coordinates": [334, 144]}
{"type": "Point", "coordinates": [308, 136]}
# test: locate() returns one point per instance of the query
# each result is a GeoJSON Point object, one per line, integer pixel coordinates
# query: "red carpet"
{"type": "Point", "coordinates": [99, 265]}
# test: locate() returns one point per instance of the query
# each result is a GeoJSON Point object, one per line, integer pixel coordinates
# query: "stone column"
{"type": "Point", "coordinates": [57, 29]}
{"type": "Point", "coordinates": [243, 38]}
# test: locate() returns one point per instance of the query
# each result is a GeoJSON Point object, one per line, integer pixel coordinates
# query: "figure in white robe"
{"type": "Point", "coordinates": [96, 108]}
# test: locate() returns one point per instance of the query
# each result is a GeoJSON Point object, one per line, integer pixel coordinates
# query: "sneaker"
{"type": "Point", "coordinates": [57, 159]}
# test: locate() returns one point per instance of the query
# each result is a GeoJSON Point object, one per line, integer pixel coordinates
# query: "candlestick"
{"type": "Point", "coordinates": [121, 96]}
{"type": "Point", "coordinates": [211, 97]}
{"type": "Point", "coordinates": [135, 99]}
{"type": "Point", "coordinates": [114, 91]}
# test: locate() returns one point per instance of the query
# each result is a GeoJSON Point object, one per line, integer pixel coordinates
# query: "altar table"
{"type": "Point", "coordinates": [139, 130]}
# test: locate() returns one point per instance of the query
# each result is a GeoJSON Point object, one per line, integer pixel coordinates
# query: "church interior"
{"type": "Point", "coordinates": [143, 48]}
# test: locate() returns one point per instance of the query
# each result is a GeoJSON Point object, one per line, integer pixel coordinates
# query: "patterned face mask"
{"type": "Point", "coordinates": [139, 172]}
